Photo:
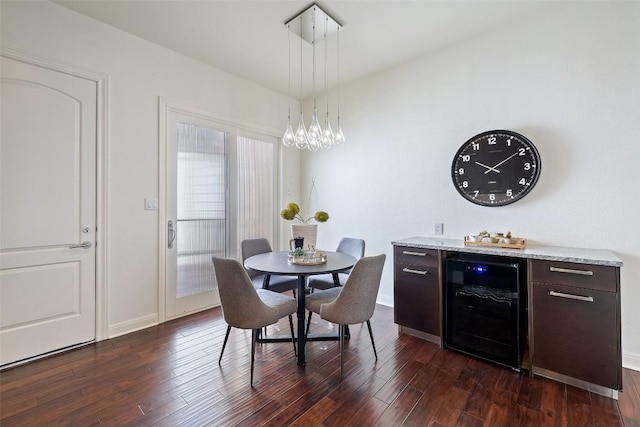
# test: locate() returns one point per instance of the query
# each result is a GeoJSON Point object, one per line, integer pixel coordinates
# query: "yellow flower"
{"type": "Point", "coordinates": [288, 214]}
{"type": "Point", "coordinates": [321, 216]}
{"type": "Point", "coordinates": [293, 207]}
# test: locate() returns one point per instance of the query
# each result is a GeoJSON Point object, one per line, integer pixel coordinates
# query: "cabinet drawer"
{"type": "Point", "coordinates": [416, 274]}
{"type": "Point", "coordinates": [576, 333]}
{"type": "Point", "coordinates": [417, 298]}
{"type": "Point", "coordinates": [416, 256]}
{"type": "Point", "coordinates": [589, 276]}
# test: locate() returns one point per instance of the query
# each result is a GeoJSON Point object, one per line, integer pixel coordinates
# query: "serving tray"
{"type": "Point", "coordinates": [516, 243]}
{"type": "Point", "coordinates": [308, 260]}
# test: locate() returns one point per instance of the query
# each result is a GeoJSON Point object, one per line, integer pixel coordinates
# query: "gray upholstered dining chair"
{"type": "Point", "coordinates": [352, 303]}
{"type": "Point", "coordinates": [251, 247]}
{"type": "Point", "coordinates": [245, 307]}
{"type": "Point", "coordinates": [346, 245]}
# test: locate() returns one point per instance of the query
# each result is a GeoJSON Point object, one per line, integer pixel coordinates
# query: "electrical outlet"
{"type": "Point", "coordinates": [438, 228]}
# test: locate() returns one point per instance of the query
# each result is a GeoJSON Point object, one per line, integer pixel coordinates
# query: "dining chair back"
{"type": "Point", "coordinates": [251, 247]}
{"type": "Point", "coordinates": [244, 307]}
{"type": "Point", "coordinates": [354, 302]}
{"type": "Point", "coordinates": [346, 245]}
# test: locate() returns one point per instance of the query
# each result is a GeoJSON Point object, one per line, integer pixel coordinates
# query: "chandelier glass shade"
{"type": "Point", "coordinates": [313, 25]}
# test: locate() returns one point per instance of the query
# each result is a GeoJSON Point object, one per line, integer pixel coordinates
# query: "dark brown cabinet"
{"type": "Point", "coordinates": [417, 289]}
{"type": "Point", "coordinates": [573, 307]}
{"type": "Point", "coordinates": [575, 312]}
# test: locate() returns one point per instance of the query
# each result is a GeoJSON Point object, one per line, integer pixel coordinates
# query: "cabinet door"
{"type": "Point", "coordinates": [417, 298]}
{"type": "Point", "coordinates": [576, 333]}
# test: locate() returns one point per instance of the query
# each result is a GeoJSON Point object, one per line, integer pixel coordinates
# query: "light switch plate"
{"type": "Point", "coordinates": [151, 204]}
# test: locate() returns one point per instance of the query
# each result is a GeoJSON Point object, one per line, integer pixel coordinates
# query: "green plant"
{"type": "Point", "coordinates": [292, 210]}
{"type": "Point", "coordinates": [298, 252]}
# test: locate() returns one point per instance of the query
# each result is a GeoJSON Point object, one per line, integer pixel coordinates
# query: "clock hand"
{"type": "Point", "coordinates": [508, 158]}
{"type": "Point", "coordinates": [489, 168]}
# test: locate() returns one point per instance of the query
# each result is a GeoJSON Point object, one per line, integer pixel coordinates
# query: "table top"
{"type": "Point", "coordinates": [277, 263]}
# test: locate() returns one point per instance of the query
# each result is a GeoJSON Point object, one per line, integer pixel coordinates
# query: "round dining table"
{"type": "Point", "coordinates": [277, 263]}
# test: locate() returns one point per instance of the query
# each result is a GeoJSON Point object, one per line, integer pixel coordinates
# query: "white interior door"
{"type": "Point", "coordinates": [196, 211]}
{"type": "Point", "coordinates": [47, 210]}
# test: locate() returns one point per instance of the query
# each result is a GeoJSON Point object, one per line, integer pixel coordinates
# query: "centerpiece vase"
{"type": "Point", "coordinates": [308, 231]}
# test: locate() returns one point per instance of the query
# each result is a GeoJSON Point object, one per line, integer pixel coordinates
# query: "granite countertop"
{"type": "Point", "coordinates": [549, 253]}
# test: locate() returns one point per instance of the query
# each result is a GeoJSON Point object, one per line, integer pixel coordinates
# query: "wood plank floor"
{"type": "Point", "coordinates": [168, 375]}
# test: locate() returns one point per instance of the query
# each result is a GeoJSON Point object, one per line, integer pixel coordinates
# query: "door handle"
{"type": "Point", "coordinates": [83, 245]}
{"type": "Point", "coordinates": [171, 237]}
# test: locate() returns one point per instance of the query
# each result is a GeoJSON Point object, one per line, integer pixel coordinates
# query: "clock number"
{"type": "Point", "coordinates": [475, 193]}
{"type": "Point", "coordinates": [466, 158]}
{"type": "Point", "coordinates": [492, 196]}
{"type": "Point", "coordinates": [522, 182]}
{"type": "Point", "coordinates": [527, 166]}
{"type": "Point", "coordinates": [521, 152]}
{"type": "Point", "coordinates": [492, 140]}
{"type": "Point", "coordinates": [476, 146]}
{"type": "Point", "coordinates": [461, 171]}
{"type": "Point", "coordinates": [465, 184]}
{"type": "Point", "coordinates": [509, 193]}
{"type": "Point", "coordinates": [509, 142]}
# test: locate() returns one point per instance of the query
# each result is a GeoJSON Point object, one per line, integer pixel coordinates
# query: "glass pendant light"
{"type": "Point", "coordinates": [315, 131]}
{"type": "Point", "coordinates": [289, 138]}
{"type": "Point", "coordinates": [327, 133]}
{"type": "Point", "coordinates": [317, 135]}
{"type": "Point", "coordinates": [302, 138]}
{"type": "Point", "coordinates": [328, 137]}
{"type": "Point", "coordinates": [338, 137]}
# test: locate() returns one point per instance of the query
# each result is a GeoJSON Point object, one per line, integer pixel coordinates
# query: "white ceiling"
{"type": "Point", "coordinates": [249, 39]}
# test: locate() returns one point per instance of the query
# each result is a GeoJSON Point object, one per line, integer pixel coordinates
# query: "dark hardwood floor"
{"type": "Point", "coordinates": [168, 375]}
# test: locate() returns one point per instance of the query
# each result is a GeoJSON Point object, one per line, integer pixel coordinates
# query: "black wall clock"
{"type": "Point", "coordinates": [496, 168]}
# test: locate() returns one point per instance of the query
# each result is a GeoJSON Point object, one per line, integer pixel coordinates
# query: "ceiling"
{"type": "Point", "coordinates": [249, 38]}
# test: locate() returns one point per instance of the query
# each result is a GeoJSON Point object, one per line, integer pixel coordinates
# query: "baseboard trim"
{"type": "Point", "coordinates": [133, 325]}
{"type": "Point", "coordinates": [631, 361]}
{"type": "Point", "coordinates": [385, 300]}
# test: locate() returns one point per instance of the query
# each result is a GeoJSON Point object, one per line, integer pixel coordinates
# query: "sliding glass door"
{"type": "Point", "coordinates": [220, 190]}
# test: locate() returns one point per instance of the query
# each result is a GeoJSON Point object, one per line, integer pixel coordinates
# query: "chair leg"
{"type": "Point", "coordinates": [293, 338]}
{"type": "Point", "coordinates": [341, 333]}
{"type": "Point", "coordinates": [372, 342]}
{"type": "Point", "coordinates": [306, 331]}
{"type": "Point", "coordinates": [254, 333]}
{"type": "Point", "coordinates": [224, 344]}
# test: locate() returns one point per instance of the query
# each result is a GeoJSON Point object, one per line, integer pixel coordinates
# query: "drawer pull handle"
{"type": "Point", "coordinates": [421, 272]}
{"type": "Point", "coordinates": [570, 296]}
{"type": "Point", "coordinates": [414, 253]}
{"type": "Point", "coordinates": [571, 271]}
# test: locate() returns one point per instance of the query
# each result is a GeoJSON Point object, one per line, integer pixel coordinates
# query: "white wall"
{"type": "Point", "coordinates": [140, 72]}
{"type": "Point", "coordinates": [569, 80]}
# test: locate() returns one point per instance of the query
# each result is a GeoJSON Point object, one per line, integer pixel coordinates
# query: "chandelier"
{"type": "Point", "coordinates": [313, 25]}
